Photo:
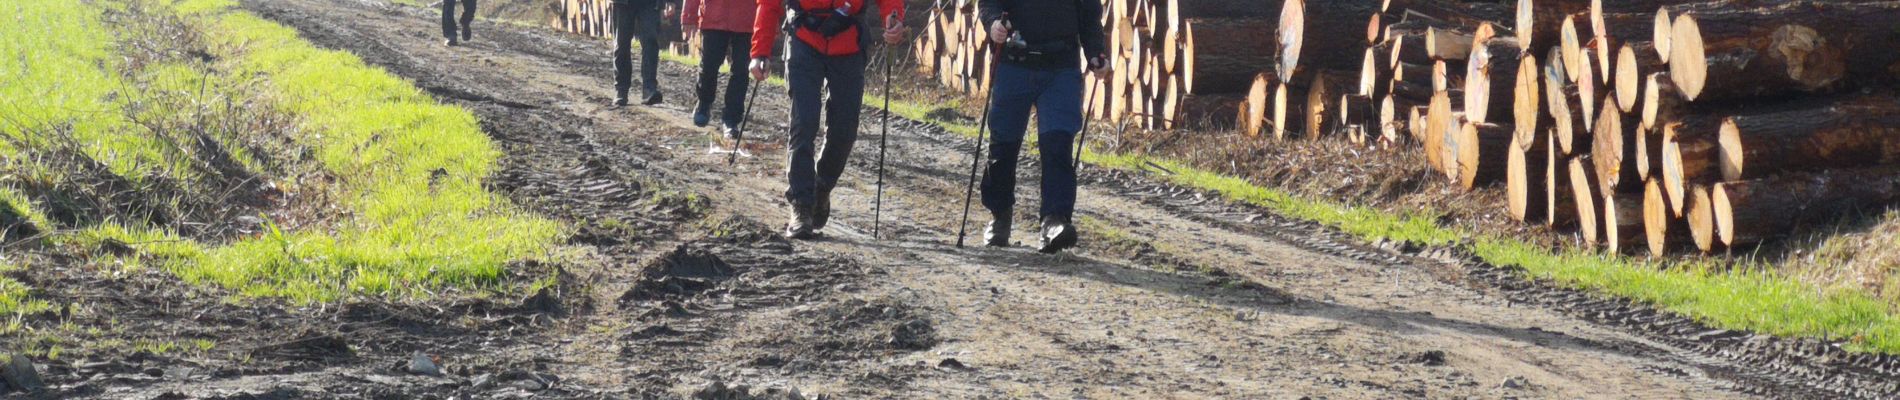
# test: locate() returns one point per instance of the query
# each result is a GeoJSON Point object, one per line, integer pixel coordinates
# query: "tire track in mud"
{"type": "Point", "coordinates": [1750, 364]}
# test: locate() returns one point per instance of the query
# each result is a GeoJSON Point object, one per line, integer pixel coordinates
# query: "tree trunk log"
{"type": "Point", "coordinates": [1226, 53]}
{"type": "Point", "coordinates": [1622, 221]}
{"type": "Point", "coordinates": [1482, 153]}
{"type": "Point", "coordinates": [1689, 156]}
{"type": "Point", "coordinates": [1558, 210]}
{"type": "Point", "coordinates": [1524, 178]}
{"type": "Point", "coordinates": [1800, 46]}
{"type": "Point", "coordinates": [1699, 213]}
{"type": "Point", "coordinates": [1583, 191]}
{"type": "Point", "coordinates": [1660, 229]}
{"type": "Point", "coordinates": [1487, 95]}
{"type": "Point", "coordinates": [1527, 112]}
{"type": "Point", "coordinates": [1634, 62]}
{"type": "Point", "coordinates": [1613, 149]}
{"type": "Point", "coordinates": [1749, 212]}
{"type": "Point", "coordinates": [1858, 131]}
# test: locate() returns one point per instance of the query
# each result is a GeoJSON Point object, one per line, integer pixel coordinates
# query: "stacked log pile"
{"type": "Point", "coordinates": [1670, 124]}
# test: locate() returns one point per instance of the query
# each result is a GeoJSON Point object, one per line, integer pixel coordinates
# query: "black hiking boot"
{"type": "Point", "coordinates": [702, 114]}
{"type": "Point", "coordinates": [653, 98]}
{"type": "Point", "coordinates": [800, 226]}
{"type": "Point", "coordinates": [466, 32]}
{"type": "Point", "coordinates": [1057, 235]}
{"type": "Point", "coordinates": [732, 132]}
{"type": "Point", "coordinates": [821, 211]}
{"type": "Point", "coordinates": [620, 98]}
{"type": "Point", "coordinates": [997, 234]}
{"type": "Point", "coordinates": [450, 42]}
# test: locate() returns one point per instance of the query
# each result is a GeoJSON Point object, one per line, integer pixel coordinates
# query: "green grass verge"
{"type": "Point", "coordinates": [415, 218]}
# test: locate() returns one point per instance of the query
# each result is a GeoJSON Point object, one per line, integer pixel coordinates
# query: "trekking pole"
{"type": "Point", "coordinates": [976, 156]}
{"type": "Point", "coordinates": [738, 144]}
{"type": "Point", "coordinates": [877, 210]}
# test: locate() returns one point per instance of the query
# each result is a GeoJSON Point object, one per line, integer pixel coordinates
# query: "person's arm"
{"type": "Point", "coordinates": [1094, 42]}
{"type": "Point", "coordinates": [765, 25]}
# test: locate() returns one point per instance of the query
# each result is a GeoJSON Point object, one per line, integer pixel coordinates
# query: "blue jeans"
{"type": "Point", "coordinates": [1056, 94]}
{"type": "Point", "coordinates": [834, 85]}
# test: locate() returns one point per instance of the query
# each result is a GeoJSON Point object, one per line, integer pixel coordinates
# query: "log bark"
{"type": "Point", "coordinates": [1622, 221]}
{"type": "Point", "coordinates": [1210, 111]}
{"type": "Point", "coordinates": [1752, 211]}
{"type": "Point", "coordinates": [1852, 132]}
{"type": "Point", "coordinates": [1448, 44]}
{"type": "Point", "coordinates": [1794, 47]}
{"type": "Point", "coordinates": [1412, 82]}
{"type": "Point", "coordinates": [1689, 156]}
{"type": "Point", "coordinates": [1360, 112]}
{"type": "Point", "coordinates": [1226, 54]}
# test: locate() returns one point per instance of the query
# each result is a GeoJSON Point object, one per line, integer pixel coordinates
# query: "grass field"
{"type": "Point", "coordinates": [399, 209]}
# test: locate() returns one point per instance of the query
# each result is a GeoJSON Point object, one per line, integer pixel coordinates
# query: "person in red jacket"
{"type": "Point", "coordinates": [826, 53]}
{"type": "Point", "coordinates": [725, 32]}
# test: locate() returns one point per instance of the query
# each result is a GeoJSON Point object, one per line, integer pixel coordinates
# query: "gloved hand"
{"type": "Point", "coordinates": [758, 68]}
{"type": "Point", "coordinates": [893, 30]}
{"type": "Point", "coordinates": [1099, 65]}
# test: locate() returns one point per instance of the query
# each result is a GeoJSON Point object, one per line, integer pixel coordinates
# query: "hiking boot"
{"type": "Point", "coordinates": [466, 33]}
{"type": "Point", "coordinates": [1057, 235]}
{"type": "Point", "coordinates": [652, 98]}
{"type": "Point", "coordinates": [620, 100]}
{"type": "Point", "coordinates": [997, 234]}
{"type": "Point", "coordinates": [702, 115]}
{"type": "Point", "coordinates": [732, 132]}
{"type": "Point", "coordinates": [821, 211]}
{"type": "Point", "coordinates": [450, 42]}
{"type": "Point", "coordinates": [800, 226]}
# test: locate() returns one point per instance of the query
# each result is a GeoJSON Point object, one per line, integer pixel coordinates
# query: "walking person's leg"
{"type": "Point", "coordinates": [623, 53]}
{"type": "Point", "coordinates": [468, 18]}
{"type": "Point", "coordinates": [648, 31]}
{"type": "Point", "coordinates": [741, 45]}
{"type": "Point", "coordinates": [805, 82]}
{"type": "Point", "coordinates": [1012, 93]}
{"type": "Point", "coordinates": [1058, 118]}
{"type": "Point", "coordinates": [448, 21]}
{"type": "Point", "coordinates": [844, 98]}
{"type": "Point", "coordinates": [712, 49]}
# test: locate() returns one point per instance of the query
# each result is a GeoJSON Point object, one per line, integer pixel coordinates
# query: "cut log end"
{"type": "Point", "coordinates": [1526, 99]}
{"type": "Point", "coordinates": [1663, 33]}
{"type": "Point", "coordinates": [1583, 192]}
{"type": "Point", "coordinates": [1730, 150]}
{"type": "Point", "coordinates": [1656, 218]}
{"type": "Point", "coordinates": [1701, 217]}
{"type": "Point", "coordinates": [1629, 78]}
{"type": "Point", "coordinates": [1687, 67]}
{"type": "Point", "coordinates": [1723, 212]}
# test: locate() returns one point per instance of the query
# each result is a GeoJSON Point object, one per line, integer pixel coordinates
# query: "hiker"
{"type": "Point", "coordinates": [638, 19]}
{"type": "Point", "coordinates": [725, 33]}
{"type": "Point", "coordinates": [824, 70]}
{"type": "Point", "coordinates": [1041, 46]}
{"type": "Point", "coordinates": [449, 22]}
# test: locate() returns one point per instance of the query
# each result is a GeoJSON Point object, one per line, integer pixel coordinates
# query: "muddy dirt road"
{"type": "Point", "coordinates": [679, 280]}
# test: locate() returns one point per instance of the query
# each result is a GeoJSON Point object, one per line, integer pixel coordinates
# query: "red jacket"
{"type": "Point", "coordinates": [771, 14]}
{"type": "Point", "coordinates": [719, 15]}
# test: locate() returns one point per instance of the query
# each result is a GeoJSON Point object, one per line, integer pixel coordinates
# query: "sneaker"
{"type": "Point", "coordinates": [652, 98]}
{"type": "Point", "coordinates": [620, 100]}
{"type": "Point", "coordinates": [702, 115]}
{"type": "Point", "coordinates": [997, 234]}
{"type": "Point", "coordinates": [450, 42]}
{"type": "Point", "coordinates": [821, 211]}
{"type": "Point", "coordinates": [800, 225]}
{"type": "Point", "coordinates": [1057, 235]}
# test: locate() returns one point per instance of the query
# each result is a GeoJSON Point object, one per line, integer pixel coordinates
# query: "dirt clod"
{"type": "Point", "coordinates": [18, 372]}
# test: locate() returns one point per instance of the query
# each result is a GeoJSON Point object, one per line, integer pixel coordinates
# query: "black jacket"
{"type": "Point", "coordinates": [1074, 23]}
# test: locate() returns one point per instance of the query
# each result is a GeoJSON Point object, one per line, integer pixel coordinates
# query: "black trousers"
{"type": "Point", "coordinates": [448, 17]}
{"type": "Point", "coordinates": [724, 48]}
{"type": "Point", "coordinates": [832, 86]}
{"type": "Point", "coordinates": [636, 20]}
